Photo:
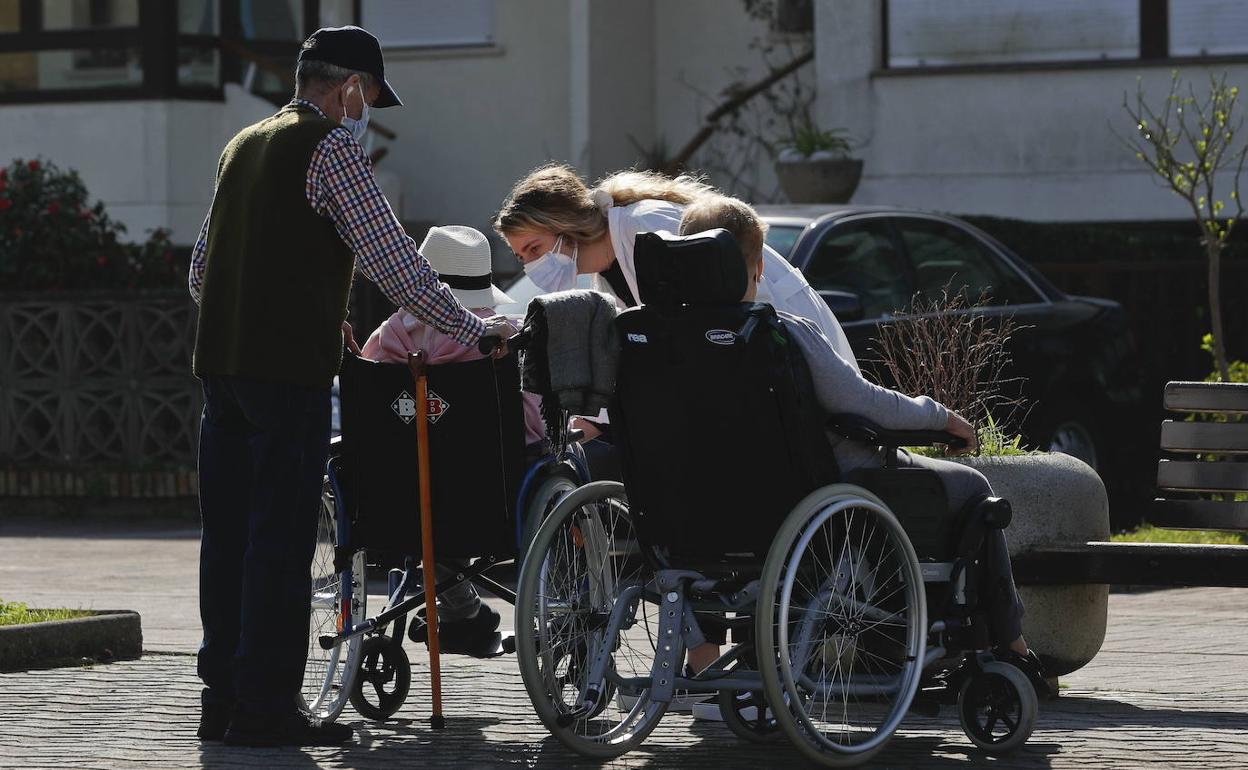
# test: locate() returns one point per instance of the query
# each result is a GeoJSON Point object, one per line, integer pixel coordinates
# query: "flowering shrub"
{"type": "Point", "coordinates": [51, 237]}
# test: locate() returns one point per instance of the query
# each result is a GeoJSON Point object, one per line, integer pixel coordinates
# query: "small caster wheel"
{"type": "Point", "coordinates": [382, 683]}
{"type": "Point", "coordinates": [997, 707]}
{"type": "Point", "coordinates": [748, 716]}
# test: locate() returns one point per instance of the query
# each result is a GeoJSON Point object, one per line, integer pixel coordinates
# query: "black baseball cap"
{"type": "Point", "coordinates": [352, 48]}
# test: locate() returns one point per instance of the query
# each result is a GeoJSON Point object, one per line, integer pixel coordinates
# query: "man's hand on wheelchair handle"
{"type": "Point", "coordinates": [499, 327]}
{"type": "Point", "coordinates": [958, 426]}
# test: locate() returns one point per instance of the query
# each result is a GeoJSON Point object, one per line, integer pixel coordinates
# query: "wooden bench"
{"type": "Point", "coordinates": [1180, 481]}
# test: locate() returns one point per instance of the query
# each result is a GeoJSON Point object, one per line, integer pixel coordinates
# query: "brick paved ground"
{"type": "Point", "coordinates": [1169, 690]}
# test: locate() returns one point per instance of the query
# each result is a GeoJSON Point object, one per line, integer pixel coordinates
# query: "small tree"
{"type": "Point", "coordinates": [1187, 144]}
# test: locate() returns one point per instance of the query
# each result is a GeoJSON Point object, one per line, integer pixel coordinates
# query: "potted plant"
{"type": "Point", "coordinates": [813, 165]}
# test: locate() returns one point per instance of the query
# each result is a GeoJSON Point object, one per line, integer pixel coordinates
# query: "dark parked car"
{"type": "Point", "coordinates": [1075, 353]}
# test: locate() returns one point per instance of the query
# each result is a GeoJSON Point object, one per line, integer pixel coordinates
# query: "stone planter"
{"type": "Point", "coordinates": [1057, 499]}
{"type": "Point", "coordinates": [819, 180]}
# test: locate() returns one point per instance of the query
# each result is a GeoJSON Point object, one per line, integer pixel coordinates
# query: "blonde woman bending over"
{"type": "Point", "coordinates": [558, 227]}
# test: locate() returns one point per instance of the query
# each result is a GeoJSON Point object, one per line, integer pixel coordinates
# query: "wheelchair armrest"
{"type": "Point", "coordinates": [861, 429]}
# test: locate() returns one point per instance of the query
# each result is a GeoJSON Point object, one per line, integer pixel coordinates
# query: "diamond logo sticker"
{"type": "Point", "coordinates": [437, 407]}
{"type": "Point", "coordinates": [405, 407]}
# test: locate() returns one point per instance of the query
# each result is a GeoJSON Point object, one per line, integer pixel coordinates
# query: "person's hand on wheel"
{"type": "Point", "coordinates": [958, 426]}
{"type": "Point", "coordinates": [591, 430]}
{"type": "Point", "coordinates": [500, 327]}
{"type": "Point", "coordinates": [349, 339]}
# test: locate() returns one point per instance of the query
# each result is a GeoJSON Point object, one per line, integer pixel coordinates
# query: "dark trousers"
{"type": "Point", "coordinates": [962, 485]}
{"type": "Point", "coordinates": [262, 453]}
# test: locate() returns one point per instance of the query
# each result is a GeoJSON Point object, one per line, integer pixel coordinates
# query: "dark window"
{"type": "Point", "coordinates": [944, 256]}
{"type": "Point", "coordinates": [782, 237]}
{"type": "Point", "coordinates": [860, 257]}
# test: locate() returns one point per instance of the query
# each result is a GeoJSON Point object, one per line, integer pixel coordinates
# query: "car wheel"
{"type": "Point", "coordinates": [1071, 432]}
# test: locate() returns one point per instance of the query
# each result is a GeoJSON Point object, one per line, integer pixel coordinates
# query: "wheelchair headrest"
{"type": "Point", "coordinates": [698, 269]}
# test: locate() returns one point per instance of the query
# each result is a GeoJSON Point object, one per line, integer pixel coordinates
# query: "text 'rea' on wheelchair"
{"type": "Point", "coordinates": [487, 500]}
{"type": "Point", "coordinates": [732, 512]}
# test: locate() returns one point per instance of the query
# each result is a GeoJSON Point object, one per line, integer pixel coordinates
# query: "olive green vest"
{"type": "Point", "coordinates": [278, 276]}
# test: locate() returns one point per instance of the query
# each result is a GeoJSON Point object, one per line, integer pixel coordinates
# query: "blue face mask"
{"type": "Point", "coordinates": [356, 127]}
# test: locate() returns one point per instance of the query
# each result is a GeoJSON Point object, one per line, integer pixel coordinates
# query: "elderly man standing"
{"type": "Point", "coordinates": [295, 212]}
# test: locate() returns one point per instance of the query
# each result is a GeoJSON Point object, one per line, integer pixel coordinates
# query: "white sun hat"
{"type": "Point", "coordinates": [461, 255]}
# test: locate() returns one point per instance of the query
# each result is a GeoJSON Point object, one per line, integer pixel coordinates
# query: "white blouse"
{"type": "Point", "coordinates": [783, 286]}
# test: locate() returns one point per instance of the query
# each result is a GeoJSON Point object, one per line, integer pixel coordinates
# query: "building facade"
{"type": "Point", "coordinates": [1002, 107]}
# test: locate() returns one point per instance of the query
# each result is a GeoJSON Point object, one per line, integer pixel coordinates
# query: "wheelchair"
{"type": "Point", "coordinates": [487, 501]}
{"type": "Point", "coordinates": [732, 512]}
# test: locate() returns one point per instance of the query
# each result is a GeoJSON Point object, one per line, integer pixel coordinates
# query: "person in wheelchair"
{"type": "Point", "coordinates": [840, 388]}
{"type": "Point", "coordinates": [461, 255]}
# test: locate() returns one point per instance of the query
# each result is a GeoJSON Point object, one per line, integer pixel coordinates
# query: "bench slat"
{"type": "Point", "coordinates": [1158, 564]}
{"type": "Point", "coordinates": [1199, 514]}
{"type": "Point", "coordinates": [1222, 437]}
{"type": "Point", "coordinates": [1197, 476]}
{"type": "Point", "coordinates": [1227, 397]}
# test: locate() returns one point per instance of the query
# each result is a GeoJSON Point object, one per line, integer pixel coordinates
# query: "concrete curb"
{"type": "Point", "coordinates": [107, 635]}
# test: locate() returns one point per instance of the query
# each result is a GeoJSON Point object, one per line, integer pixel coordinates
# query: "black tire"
{"type": "Point", "coordinates": [997, 708]}
{"type": "Point", "coordinates": [383, 680]}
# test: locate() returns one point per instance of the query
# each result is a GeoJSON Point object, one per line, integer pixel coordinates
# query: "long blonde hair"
{"type": "Point", "coordinates": [555, 198]}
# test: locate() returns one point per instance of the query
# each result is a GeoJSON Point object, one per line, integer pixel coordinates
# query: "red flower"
{"type": "Point", "coordinates": [4, 173]}
{"type": "Point", "coordinates": [33, 165]}
{"type": "Point", "coordinates": [3, 184]}
{"type": "Point", "coordinates": [101, 260]}
{"type": "Point", "coordinates": [168, 255]}
{"type": "Point", "coordinates": [54, 208]}
{"type": "Point", "coordinates": [5, 203]}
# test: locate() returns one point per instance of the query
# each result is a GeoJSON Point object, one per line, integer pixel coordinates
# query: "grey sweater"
{"type": "Point", "coordinates": [841, 389]}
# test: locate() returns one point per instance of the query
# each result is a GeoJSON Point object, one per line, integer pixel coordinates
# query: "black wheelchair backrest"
{"type": "Point", "coordinates": [476, 455]}
{"type": "Point", "coordinates": [703, 268]}
{"type": "Point", "coordinates": [714, 413]}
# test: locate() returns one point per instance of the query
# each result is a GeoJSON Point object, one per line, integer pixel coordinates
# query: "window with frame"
{"type": "Point", "coordinates": [861, 257]}
{"type": "Point", "coordinates": [937, 33]}
{"type": "Point", "coordinates": [429, 23]}
{"type": "Point", "coordinates": [61, 50]}
{"type": "Point", "coordinates": [1208, 27]}
{"type": "Point", "coordinates": [948, 258]}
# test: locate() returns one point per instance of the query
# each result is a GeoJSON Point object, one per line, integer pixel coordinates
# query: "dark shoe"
{"type": "Point", "coordinates": [476, 636]}
{"type": "Point", "coordinates": [291, 729]}
{"type": "Point", "coordinates": [214, 716]}
{"type": "Point", "coordinates": [1030, 665]}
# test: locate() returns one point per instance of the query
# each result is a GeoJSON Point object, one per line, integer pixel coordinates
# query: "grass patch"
{"type": "Point", "coordinates": [17, 613]}
{"type": "Point", "coordinates": [1147, 533]}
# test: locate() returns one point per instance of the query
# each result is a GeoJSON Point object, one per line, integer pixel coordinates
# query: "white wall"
{"type": "Point", "coordinates": [701, 47]}
{"type": "Point", "coordinates": [1036, 145]}
{"type": "Point", "coordinates": [151, 162]}
{"type": "Point", "coordinates": [475, 121]}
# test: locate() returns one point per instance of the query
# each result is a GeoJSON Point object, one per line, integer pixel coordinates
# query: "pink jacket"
{"type": "Point", "coordinates": [402, 333]}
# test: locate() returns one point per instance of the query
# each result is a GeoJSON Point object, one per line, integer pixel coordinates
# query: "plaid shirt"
{"type": "Point", "coordinates": [340, 185]}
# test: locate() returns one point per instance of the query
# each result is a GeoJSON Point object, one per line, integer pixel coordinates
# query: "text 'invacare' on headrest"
{"type": "Point", "coordinates": [703, 268]}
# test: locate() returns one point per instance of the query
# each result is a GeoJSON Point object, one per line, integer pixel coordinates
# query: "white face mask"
{"type": "Point", "coordinates": [356, 127]}
{"type": "Point", "coordinates": [554, 270]}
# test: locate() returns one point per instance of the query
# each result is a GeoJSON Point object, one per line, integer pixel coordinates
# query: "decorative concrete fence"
{"type": "Point", "coordinates": [96, 394]}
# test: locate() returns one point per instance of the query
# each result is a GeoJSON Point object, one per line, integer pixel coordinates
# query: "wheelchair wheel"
{"type": "Point", "coordinates": [841, 625]}
{"type": "Point", "coordinates": [384, 679]}
{"type": "Point", "coordinates": [997, 708]}
{"type": "Point", "coordinates": [747, 714]}
{"type": "Point", "coordinates": [328, 674]}
{"type": "Point", "coordinates": [543, 500]}
{"type": "Point", "coordinates": [583, 559]}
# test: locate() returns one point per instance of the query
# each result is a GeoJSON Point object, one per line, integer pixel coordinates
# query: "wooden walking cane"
{"type": "Point", "coordinates": [416, 362]}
